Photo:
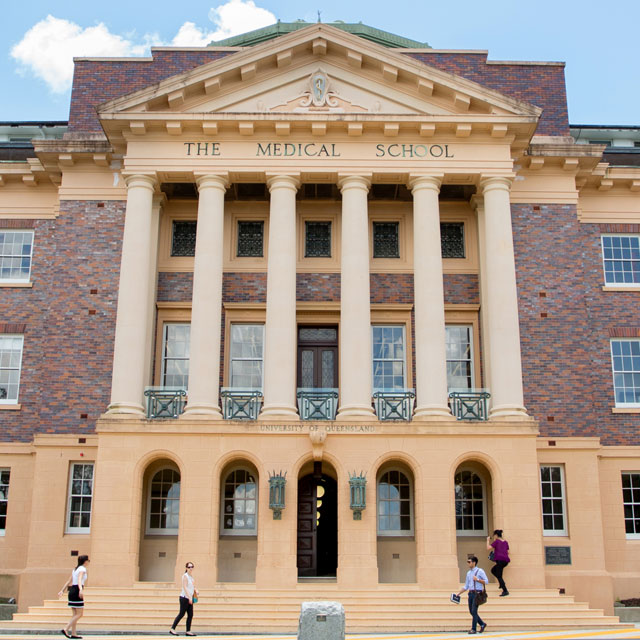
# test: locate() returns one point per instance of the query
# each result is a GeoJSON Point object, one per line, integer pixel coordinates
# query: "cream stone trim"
{"type": "Point", "coordinates": [18, 285]}
{"type": "Point", "coordinates": [401, 213]}
{"type": "Point", "coordinates": [621, 289]}
{"type": "Point", "coordinates": [319, 211]}
{"type": "Point", "coordinates": [10, 407]}
{"type": "Point", "coordinates": [625, 409]}
{"type": "Point", "coordinates": [462, 212]}
{"type": "Point", "coordinates": [236, 212]}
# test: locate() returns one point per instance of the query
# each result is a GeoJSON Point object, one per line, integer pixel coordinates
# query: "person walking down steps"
{"type": "Point", "coordinates": [499, 548]}
{"type": "Point", "coordinates": [188, 596]}
{"type": "Point", "coordinates": [76, 584]}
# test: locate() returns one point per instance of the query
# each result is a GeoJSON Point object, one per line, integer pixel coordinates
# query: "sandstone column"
{"type": "Point", "coordinates": [501, 296]}
{"type": "Point", "coordinates": [280, 330]}
{"type": "Point", "coordinates": [131, 337]}
{"type": "Point", "coordinates": [431, 354]}
{"type": "Point", "coordinates": [355, 304]}
{"type": "Point", "coordinates": [206, 310]}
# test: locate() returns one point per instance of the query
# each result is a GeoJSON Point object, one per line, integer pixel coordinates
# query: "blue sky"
{"type": "Point", "coordinates": [598, 41]}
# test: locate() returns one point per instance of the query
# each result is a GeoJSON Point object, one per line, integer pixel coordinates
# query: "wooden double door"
{"type": "Point", "coordinates": [317, 526]}
{"type": "Point", "coordinates": [318, 357]}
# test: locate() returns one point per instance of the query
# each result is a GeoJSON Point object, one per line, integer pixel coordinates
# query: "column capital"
{"type": "Point", "coordinates": [212, 180]}
{"type": "Point", "coordinates": [489, 183]}
{"type": "Point", "coordinates": [417, 181]}
{"type": "Point", "coordinates": [143, 180]}
{"type": "Point", "coordinates": [354, 181]}
{"type": "Point", "coordinates": [283, 181]}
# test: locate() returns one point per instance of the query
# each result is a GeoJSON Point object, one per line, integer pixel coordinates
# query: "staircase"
{"type": "Point", "coordinates": [241, 608]}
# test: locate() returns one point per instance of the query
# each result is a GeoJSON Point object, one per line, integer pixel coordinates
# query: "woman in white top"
{"type": "Point", "coordinates": [76, 584]}
{"type": "Point", "coordinates": [187, 596]}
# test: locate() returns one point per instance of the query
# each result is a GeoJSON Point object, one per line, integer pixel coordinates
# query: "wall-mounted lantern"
{"type": "Point", "coordinates": [358, 494]}
{"type": "Point", "coordinates": [277, 482]}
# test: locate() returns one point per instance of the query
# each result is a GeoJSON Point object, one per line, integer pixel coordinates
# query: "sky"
{"type": "Point", "coordinates": [598, 41]}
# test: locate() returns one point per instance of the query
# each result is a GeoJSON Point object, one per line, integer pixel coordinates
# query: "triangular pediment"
{"type": "Point", "coordinates": [318, 70]}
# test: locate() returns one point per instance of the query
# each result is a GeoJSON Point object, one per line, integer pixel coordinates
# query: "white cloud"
{"type": "Point", "coordinates": [48, 48]}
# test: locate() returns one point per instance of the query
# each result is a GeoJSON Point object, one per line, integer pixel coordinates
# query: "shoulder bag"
{"type": "Point", "coordinates": [481, 596]}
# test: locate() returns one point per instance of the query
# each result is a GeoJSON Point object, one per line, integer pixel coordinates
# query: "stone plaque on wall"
{"type": "Point", "coordinates": [557, 555]}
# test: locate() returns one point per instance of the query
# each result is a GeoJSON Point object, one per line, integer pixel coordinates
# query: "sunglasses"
{"type": "Point", "coordinates": [189, 566]}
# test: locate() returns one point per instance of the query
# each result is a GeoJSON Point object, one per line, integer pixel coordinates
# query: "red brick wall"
{"type": "Point", "coordinates": [67, 356]}
{"type": "Point", "coordinates": [95, 82]}
{"type": "Point", "coordinates": [566, 354]}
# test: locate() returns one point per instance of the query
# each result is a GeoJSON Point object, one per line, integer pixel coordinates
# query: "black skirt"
{"type": "Point", "coordinates": [75, 600]}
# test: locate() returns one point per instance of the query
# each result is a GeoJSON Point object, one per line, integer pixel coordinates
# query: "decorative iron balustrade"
{"type": "Point", "coordinates": [317, 404]}
{"type": "Point", "coordinates": [240, 404]}
{"type": "Point", "coordinates": [394, 405]}
{"type": "Point", "coordinates": [470, 405]}
{"type": "Point", "coordinates": [165, 402]}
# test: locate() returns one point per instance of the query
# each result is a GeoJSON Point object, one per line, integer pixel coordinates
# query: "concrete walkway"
{"type": "Point", "coordinates": [585, 634]}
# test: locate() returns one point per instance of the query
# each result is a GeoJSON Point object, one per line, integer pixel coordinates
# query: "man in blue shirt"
{"type": "Point", "coordinates": [474, 584]}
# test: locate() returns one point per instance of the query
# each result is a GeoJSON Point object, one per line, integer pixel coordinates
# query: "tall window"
{"type": "Point", "coordinates": [4, 498]}
{"type": "Point", "coordinates": [163, 510]}
{"type": "Point", "coordinates": [631, 501]}
{"type": "Point", "coordinates": [470, 504]}
{"type": "Point", "coordinates": [240, 504]}
{"type": "Point", "coordinates": [16, 248]}
{"type": "Point", "coordinates": [625, 355]}
{"type": "Point", "coordinates": [10, 365]}
{"type": "Point", "coordinates": [621, 256]}
{"type": "Point", "coordinates": [389, 362]}
{"type": "Point", "coordinates": [459, 357]}
{"type": "Point", "coordinates": [554, 520]}
{"type": "Point", "coordinates": [395, 512]}
{"type": "Point", "coordinates": [80, 498]}
{"type": "Point", "coordinates": [175, 355]}
{"type": "Point", "coordinates": [247, 341]}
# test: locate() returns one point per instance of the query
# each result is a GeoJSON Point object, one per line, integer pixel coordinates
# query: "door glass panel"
{"type": "Point", "coordinates": [327, 369]}
{"type": "Point", "coordinates": [319, 334]}
{"type": "Point", "coordinates": [307, 368]}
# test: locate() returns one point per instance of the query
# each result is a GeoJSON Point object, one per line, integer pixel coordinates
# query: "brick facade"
{"type": "Point", "coordinates": [566, 322]}
{"type": "Point", "coordinates": [65, 380]}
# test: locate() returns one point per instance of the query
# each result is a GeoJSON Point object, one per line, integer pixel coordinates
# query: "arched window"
{"type": "Point", "coordinates": [470, 504]}
{"type": "Point", "coordinates": [240, 504]}
{"type": "Point", "coordinates": [163, 506]}
{"type": "Point", "coordinates": [395, 504]}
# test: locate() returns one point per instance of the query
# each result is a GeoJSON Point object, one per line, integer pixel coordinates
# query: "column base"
{"type": "Point", "coordinates": [279, 412]}
{"type": "Point", "coordinates": [509, 412]}
{"type": "Point", "coordinates": [433, 413]}
{"type": "Point", "coordinates": [201, 411]}
{"type": "Point", "coordinates": [126, 409]}
{"type": "Point", "coordinates": [360, 412]}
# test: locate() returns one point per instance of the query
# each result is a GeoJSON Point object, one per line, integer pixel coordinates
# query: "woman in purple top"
{"type": "Point", "coordinates": [500, 550]}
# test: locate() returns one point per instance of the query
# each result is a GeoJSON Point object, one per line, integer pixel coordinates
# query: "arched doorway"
{"type": "Point", "coordinates": [317, 524]}
{"type": "Point", "coordinates": [473, 511]}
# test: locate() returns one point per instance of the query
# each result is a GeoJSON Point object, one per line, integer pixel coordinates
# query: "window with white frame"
{"type": "Point", "coordinates": [5, 475]}
{"type": "Point", "coordinates": [175, 355]}
{"type": "Point", "coordinates": [16, 248]}
{"type": "Point", "coordinates": [240, 504]}
{"type": "Point", "coordinates": [10, 365]}
{"type": "Point", "coordinates": [459, 357]}
{"type": "Point", "coordinates": [470, 504]}
{"type": "Point", "coordinates": [80, 497]}
{"type": "Point", "coordinates": [631, 501]}
{"type": "Point", "coordinates": [246, 356]}
{"type": "Point", "coordinates": [554, 518]}
{"type": "Point", "coordinates": [163, 507]}
{"type": "Point", "coordinates": [621, 258]}
{"type": "Point", "coordinates": [389, 360]}
{"type": "Point", "coordinates": [625, 357]}
{"type": "Point", "coordinates": [395, 504]}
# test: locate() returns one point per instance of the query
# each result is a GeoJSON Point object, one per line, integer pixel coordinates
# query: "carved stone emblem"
{"type": "Point", "coordinates": [319, 93]}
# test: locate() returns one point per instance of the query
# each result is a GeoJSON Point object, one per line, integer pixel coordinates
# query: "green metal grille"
{"type": "Point", "coordinates": [394, 405]}
{"type": "Point", "coordinates": [165, 402]}
{"type": "Point", "coordinates": [470, 405]}
{"type": "Point", "coordinates": [240, 404]}
{"type": "Point", "coordinates": [317, 404]}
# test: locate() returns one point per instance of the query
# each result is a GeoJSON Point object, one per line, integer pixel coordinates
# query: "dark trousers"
{"type": "Point", "coordinates": [187, 608]}
{"type": "Point", "coordinates": [497, 570]}
{"type": "Point", "coordinates": [473, 610]}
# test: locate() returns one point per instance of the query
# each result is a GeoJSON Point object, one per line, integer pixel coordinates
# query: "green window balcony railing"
{"type": "Point", "coordinates": [470, 405]}
{"type": "Point", "coordinates": [240, 404]}
{"type": "Point", "coordinates": [317, 404]}
{"type": "Point", "coordinates": [165, 402]}
{"type": "Point", "coordinates": [394, 404]}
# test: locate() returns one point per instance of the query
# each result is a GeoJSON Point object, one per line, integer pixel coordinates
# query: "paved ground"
{"type": "Point", "coordinates": [597, 634]}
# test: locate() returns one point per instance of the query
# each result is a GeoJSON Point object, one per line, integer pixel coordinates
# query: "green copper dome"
{"type": "Point", "coordinates": [281, 28]}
